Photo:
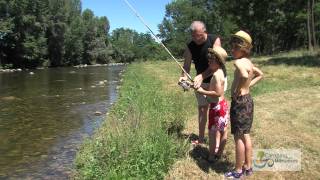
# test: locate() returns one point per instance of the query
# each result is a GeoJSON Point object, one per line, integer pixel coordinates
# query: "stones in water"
{"type": "Point", "coordinates": [98, 113]}
{"type": "Point", "coordinates": [9, 98]}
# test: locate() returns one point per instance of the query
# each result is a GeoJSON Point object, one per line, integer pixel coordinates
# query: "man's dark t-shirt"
{"type": "Point", "coordinates": [199, 55]}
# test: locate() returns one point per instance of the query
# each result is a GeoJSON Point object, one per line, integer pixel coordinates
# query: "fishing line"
{"type": "Point", "coordinates": [143, 22]}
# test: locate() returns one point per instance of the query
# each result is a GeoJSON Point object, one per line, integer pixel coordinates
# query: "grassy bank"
{"type": "Point", "coordinates": [140, 137]}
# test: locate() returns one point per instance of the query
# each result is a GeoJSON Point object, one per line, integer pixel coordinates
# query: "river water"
{"type": "Point", "coordinates": [45, 115]}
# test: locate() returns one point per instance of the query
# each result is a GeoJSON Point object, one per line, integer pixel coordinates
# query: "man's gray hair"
{"type": "Point", "coordinates": [196, 25]}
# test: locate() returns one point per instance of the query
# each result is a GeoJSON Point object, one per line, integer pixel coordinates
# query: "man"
{"type": "Point", "coordinates": [197, 51]}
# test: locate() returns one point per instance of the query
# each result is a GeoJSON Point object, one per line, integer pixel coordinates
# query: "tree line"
{"type": "Point", "coordinates": [58, 33]}
{"type": "Point", "coordinates": [275, 25]}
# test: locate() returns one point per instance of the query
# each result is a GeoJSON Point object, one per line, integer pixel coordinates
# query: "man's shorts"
{"type": "Point", "coordinates": [241, 114]}
{"type": "Point", "coordinates": [201, 99]}
{"type": "Point", "coordinates": [218, 115]}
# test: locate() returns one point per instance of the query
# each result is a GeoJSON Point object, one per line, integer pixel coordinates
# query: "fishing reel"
{"type": "Point", "coordinates": [185, 84]}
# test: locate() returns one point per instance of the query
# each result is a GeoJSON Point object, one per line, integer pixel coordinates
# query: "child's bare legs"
{"type": "Point", "coordinates": [218, 136]}
{"type": "Point", "coordinates": [212, 142]}
{"type": "Point", "coordinates": [223, 141]}
{"type": "Point", "coordinates": [240, 152]}
{"type": "Point", "coordinates": [202, 118]}
{"type": "Point", "coordinates": [217, 141]}
{"type": "Point", "coordinates": [248, 151]}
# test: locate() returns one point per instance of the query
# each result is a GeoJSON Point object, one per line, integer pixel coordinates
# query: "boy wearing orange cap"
{"type": "Point", "coordinates": [218, 108]}
{"type": "Point", "coordinates": [241, 112]}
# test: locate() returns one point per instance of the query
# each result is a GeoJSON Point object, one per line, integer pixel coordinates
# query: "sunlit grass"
{"type": "Point", "coordinates": [286, 116]}
{"type": "Point", "coordinates": [139, 138]}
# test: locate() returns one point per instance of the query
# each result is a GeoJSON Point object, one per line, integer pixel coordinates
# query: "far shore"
{"type": "Point", "coordinates": [10, 70]}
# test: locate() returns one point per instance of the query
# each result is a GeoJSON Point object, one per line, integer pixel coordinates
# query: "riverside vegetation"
{"type": "Point", "coordinates": [139, 138]}
{"type": "Point", "coordinates": [147, 133]}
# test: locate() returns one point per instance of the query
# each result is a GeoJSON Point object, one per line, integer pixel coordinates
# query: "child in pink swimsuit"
{"type": "Point", "coordinates": [218, 109]}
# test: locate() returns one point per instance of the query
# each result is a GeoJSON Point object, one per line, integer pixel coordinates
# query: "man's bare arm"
{"type": "Point", "coordinates": [258, 75]}
{"type": "Point", "coordinates": [186, 65]}
{"type": "Point", "coordinates": [200, 77]}
{"type": "Point", "coordinates": [206, 73]}
{"type": "Point", "coordinates": [187, 61]}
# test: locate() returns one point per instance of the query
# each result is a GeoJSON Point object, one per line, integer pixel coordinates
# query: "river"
{"type": "Point", "coordinates": [45, 114]}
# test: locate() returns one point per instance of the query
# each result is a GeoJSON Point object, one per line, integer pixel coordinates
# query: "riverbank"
{"type": "Point", "coordinates": [140, 136]}
{"type": "Point", "coordinates": [8, 70]}
{"type": "Point", "coordinates": [147, 133]}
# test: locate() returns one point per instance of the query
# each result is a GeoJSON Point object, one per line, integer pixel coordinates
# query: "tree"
{"type": "Point", "coordinates": [51, 32]}
{"type": "Point", "coordinates": [316, 21]}
{"type": "Point", "coordinates": [25, 42]}
{"type": "Point", "coordinates": [74, 34]}
{"type": "Point", "coordinates": [130, 45]}
{"type": "Point", "coordinates": [312, 40]}
{"type": "Point", "coordinates": [6, 29]}
{"type": "Point", "coordinates": [74, 42]}
{"type": "Point", "coordinates": [174, 29]}
{"type": "Point", "coordinates": [122, 41]}
{"type": "Point", "coordinates": [313, 29]}
{"type": "Point", "coordinates": [309, 27]}
{"type": "Point", "coordinates": [275, 25]}
{"type": "Point", "coordinates": [95, 39]}
{"type": "Point", "coordinates": [56, 32]}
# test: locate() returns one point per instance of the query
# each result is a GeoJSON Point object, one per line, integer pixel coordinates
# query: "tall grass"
{"type": "Point", "coordinates": [139, 138]}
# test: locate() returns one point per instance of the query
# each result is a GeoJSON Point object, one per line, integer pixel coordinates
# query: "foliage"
{"type": "Point", "coordinates": [131, 45]}
{"type": "Point", "coordinates": [276, 25]}
{"type": "Point", "coordinates": [58, 33]}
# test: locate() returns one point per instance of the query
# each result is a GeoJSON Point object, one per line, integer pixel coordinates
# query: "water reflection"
{"type": "Point", "coordinates": [44, 117]}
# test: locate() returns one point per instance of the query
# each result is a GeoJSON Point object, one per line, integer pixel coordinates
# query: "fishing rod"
{"type": "Point", "coordinates": [143, 22]}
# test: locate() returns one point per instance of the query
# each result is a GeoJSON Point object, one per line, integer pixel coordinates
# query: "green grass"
{"type": "Point", "coordinates": [282, 75]}
{"type": "Point", "coordinates": [286, 117]}
{"type": "Point", "coordinates": [140, 138]}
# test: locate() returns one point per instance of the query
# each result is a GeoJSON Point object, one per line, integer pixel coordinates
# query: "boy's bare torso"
{"type": "Point", "coordinates": [243, 75]}
{"type": "Point", "coordinates": [218, 77]}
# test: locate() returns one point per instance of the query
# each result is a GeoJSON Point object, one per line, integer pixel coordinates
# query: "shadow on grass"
{"type": "Point", "coordinates": [308, 60]}
{"type": "Point", "coordinates": [191, 137]}
{"type": "Point", "coordinates": [200, 154]}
